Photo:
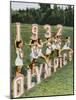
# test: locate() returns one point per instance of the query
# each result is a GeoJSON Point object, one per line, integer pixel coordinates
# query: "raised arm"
{"type": "Point", "coordinates": [18, 35]}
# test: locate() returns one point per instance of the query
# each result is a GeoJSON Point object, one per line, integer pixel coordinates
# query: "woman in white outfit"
{"type": "Point", "coordinates": [49, 48]}
{"type": "Point", "coordinates": [67, 44]}
{"type": "Point", "coordinates": [58, 42]}
{"type": "Point", "coordinates": [19, 51]}
{"type": "Point", "coordinates": [53, 46]}
{"type": "Point", "coordinates": [40, 46]}
{"type": "Point", "coordinates": [34, 51]}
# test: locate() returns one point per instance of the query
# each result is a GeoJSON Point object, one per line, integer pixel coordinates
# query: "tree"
{"type": "Point", "coordinates": [45, 15]}
{"type": "Point", "coordinates": [44, 7]}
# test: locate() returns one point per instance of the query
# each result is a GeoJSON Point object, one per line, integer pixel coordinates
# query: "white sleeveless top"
{"type": "Point", "coordinates": [34, 52]}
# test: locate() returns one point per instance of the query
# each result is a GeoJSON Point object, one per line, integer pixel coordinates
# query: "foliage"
{"type": "Point", "coordinates": [44, 15]}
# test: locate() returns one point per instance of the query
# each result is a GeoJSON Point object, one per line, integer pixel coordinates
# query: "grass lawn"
{"type": "Point", "coordinates": [61, 82]}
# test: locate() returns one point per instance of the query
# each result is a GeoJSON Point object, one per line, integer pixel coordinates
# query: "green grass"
{"type": "Point", "coordinates": [61, 82]}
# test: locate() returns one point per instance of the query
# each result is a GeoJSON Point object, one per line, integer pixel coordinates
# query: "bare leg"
{"type": "Point", "coordinates": [18, 70]}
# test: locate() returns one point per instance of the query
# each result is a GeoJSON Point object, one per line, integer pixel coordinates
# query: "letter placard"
{"type": "Point", "coordinates": [30, 84]}
{"type": "Point", "coordinates": [18, 86]}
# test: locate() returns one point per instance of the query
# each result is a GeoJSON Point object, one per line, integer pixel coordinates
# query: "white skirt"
{"type": "Point", "coordinates": [48, 51]}
{"type": "Point", "coordinates": [18, 62]}
{"type": "Point", "coordinates": [40, 53]}
{"type": "Point", "coordinates": [65, 47]}
{"type": "Point", "coordinates": [33, 56]}
{"type": "Point", "coordinates": [53, 46]}
{"type": "Point", "coordinates": [57, 46]}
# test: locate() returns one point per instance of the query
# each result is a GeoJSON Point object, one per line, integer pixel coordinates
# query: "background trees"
{"type": "Point", "coordinates": [45, 15]}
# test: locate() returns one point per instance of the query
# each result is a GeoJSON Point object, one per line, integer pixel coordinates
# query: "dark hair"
{"type": "Point", "coordinates": [57, 36]}
{"type": "Point", "coordinates": [39, 40]}
{"type": "Point", "coordinates": [66, 37]}
{"type": "Point", "coordinates": [32, 41]}
{"type": "Point", "coordinates": [17, 43]}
